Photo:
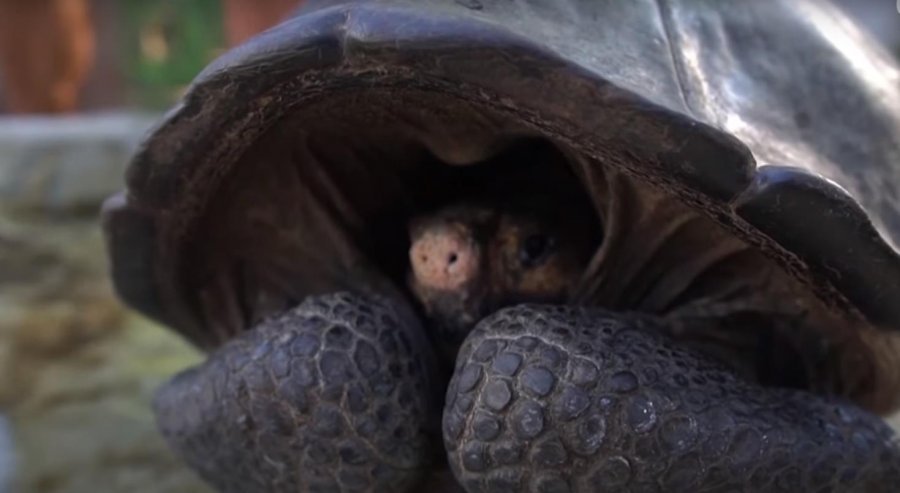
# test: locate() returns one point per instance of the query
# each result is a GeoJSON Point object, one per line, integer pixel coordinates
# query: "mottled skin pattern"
{"type": "Point", "coordinates": [337, 395]}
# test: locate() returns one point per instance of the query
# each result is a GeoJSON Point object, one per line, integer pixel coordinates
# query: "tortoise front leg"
{"type": "Point", "coordinates": [335, 395]}
{"type": "Point", "coordinates": [560, 399]}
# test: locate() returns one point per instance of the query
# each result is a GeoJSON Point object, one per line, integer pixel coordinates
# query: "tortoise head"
{"type": "Point", "coordinates": [519, 229]}
{"type": "Point", "coordinates": [319, 155]}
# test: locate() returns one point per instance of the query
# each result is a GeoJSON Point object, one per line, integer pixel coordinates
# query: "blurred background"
{"type": "Point", "coordinates": [94, 55]}
{"type": "Point", "coordinates": [81, 81]}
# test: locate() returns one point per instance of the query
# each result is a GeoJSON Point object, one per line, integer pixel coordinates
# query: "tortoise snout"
{"type": "Point", "coordinates": [444, 257]}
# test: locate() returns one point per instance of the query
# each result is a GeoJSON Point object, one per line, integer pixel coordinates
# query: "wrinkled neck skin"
{"type": "Point", "coordinates": [725, 297]}
{"type": "Point", "coordinates": [660, 257]}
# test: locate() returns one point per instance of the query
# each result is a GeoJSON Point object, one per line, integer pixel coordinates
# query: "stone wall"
{"type": "Point", "coordinates": [77, 369]}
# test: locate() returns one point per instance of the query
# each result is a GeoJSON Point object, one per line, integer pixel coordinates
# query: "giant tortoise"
{"type": "Point", "coordinates": [529, 245]}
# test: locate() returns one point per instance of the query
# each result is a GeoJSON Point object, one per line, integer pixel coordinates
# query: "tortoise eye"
{"type": "Point", "coordinates": [535, 249]}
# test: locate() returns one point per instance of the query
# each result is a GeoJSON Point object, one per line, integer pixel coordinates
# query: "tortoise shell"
{"type": "Point", "coordinates": [293, 161]}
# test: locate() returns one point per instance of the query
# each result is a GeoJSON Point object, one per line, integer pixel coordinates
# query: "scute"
{"type": "Point", "coordinates": [800, 85]}
{"type": "Point", "coordinates": [624, 99]}
{"type": "Point", "coordinates": [293, 167]}
{"type": "Point", "coordinates": [822, 224]}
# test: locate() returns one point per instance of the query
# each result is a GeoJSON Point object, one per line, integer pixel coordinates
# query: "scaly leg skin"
{"type": "Point", "coordinates": [336, 395]}
{"type": "Point", "coordinates": [554, 399]}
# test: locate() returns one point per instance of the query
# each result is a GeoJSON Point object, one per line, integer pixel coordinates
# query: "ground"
{"type": "Point", "coordinates": [77, 369]}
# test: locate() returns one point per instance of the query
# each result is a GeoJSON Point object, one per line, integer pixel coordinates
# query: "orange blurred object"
{"type": "Point", "coordinates": [245, 18]}
{"type": "Point", "coordinates": [46, 51]}
{"type": "Point", "coordinates": [47, 46]}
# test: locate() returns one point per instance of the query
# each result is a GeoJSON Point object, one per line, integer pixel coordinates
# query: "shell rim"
{"type": "Point", "coordinates": [142, 223]}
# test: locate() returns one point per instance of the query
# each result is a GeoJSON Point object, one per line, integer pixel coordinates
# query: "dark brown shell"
{"type": "Point", "coordinates": [777, 118]}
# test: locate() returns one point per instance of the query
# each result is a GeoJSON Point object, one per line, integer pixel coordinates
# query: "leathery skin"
{"type": "Point", "coordinates": [559, 399]}
{"type": "Point", "coordinates": [334, 395]}
{"type": "Point", "coordinates": [340, 394]}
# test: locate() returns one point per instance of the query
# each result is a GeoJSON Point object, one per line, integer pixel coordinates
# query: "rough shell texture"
{"type": "Point", "coordinates": [687, 95]}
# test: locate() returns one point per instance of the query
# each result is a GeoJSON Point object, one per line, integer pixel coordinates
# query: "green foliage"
{"type": "Point", "coordinates": [167, 42]}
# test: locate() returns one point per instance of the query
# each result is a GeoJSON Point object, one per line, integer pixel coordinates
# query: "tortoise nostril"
{"type": "Point", "coordinates": [444, 258]}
